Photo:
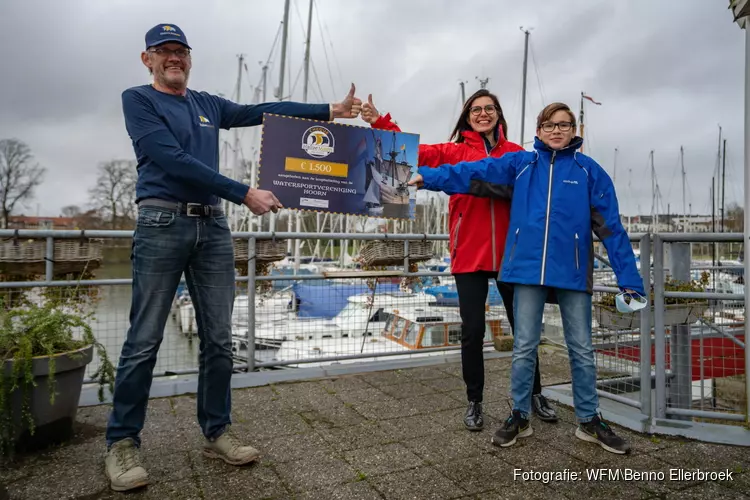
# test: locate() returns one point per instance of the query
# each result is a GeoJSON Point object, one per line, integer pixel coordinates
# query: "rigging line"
{"type": "Point", "coordinates": [325, 53]}
{"type": "Point", "coordinates": [270, 53]}
{"type": "Point", "coordinates": [678, 174]}
{"type": "Point", "coordinates": [317, 80]}
{"type": "Point", "coordinates": [333, 52]}
{"type": "Point", "coordinates": [538, 78]}
{"type": "Point", "coordinates": [296, 80]}
{"type": "Point", "coordinates": [250, 85]}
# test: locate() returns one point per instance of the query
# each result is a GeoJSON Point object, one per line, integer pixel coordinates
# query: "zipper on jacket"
{"type": "Point", "coordinates": [546, 224]}
{"type": "Point", "coordinates": [513, 249]}
{"type": "Point", "coordinates": [492, 232]}
{"type": "Point", "coordinates": [455, 238]}
{"type": "Point", "coordinates": [488, 152]}
{"type": "Point", "coordinates": [577, 264]}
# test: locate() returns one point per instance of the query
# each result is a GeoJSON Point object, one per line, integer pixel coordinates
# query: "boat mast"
{"type": "Point", "coordinates": [723, 181]}
{"type": "Point", "coordinates": [236, 170]}
{"type": "Point", "coordinates": [654, 211]}
{"type": "Point", "coordinates": [523, 91]}
{"type": "Point", "coordinates": [280, 91]}
{"type": "Point", "coordinates": [298, 213]}
{"type": "Point", "coordinates": [682, 167]}
{"type": "Point", "coordinates": [580, 122]}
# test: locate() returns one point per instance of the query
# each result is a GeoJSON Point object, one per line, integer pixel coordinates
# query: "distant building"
{"type": "Point", "coordinates": [27, 222]}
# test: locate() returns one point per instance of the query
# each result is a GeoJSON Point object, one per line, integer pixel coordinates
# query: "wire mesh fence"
{"type": "Point", "coordinates": [690, 351]}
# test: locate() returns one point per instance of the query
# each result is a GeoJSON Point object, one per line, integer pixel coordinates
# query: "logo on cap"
{"type": "Point", "coordinates": [168, 28]}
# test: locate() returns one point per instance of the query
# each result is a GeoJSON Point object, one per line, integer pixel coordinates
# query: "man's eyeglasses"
{"type": "Point", "coordinates": [182, 53]}
{"type": "Point", "coordinates": [489, 109]}
{"type": "Point", "coordinates": [563, 126]}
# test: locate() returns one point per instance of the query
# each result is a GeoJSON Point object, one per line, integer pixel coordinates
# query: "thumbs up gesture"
{"type": "Point", "coordinates": [369, 111]}
{"type": "Point", "coordinates": [350, 107]}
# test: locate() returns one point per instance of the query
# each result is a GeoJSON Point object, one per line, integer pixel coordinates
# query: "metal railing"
{"type": "Point", "coordinates": [628, 374]}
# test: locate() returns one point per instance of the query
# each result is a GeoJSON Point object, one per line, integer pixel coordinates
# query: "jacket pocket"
{"type": "Point", "coordinates": [455, 235]}
{"type": "Point", "coordinates": [578, 265]}
{"type": "Point", "coordinates": [513, 248]}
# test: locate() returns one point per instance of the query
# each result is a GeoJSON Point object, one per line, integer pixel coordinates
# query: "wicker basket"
{"type": "Point", "coordinates": [265, 250]}
{"type": "Point", "coordinates": [391, 252]}
{"type": "Point", "coordinates": [19, 257]}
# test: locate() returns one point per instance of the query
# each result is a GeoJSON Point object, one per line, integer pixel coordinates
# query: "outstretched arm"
{"type": "Point", "coordinates": [247, 115]}
{"type": "Point", "coordinates": [471, 177]}
{"type": "Point", "coordinates": [605, 221]}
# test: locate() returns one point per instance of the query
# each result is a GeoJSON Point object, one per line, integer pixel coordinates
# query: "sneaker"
{"type": "Point", "coordinates": [597, 431]}
{"type": "Point", "coordinates": [228, 448]}
{"type": "Point", "coordinates": [473, 419]}
{"type": "Point", "coordinates": [543, 409]}
{"type": "Point", "coordinates": [123, 466]}
{"type": "Point", "coordinates": [515, 426]}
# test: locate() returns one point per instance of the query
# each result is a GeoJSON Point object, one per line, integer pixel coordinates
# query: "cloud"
{"type": "Point", "coordinates": [666, 75]}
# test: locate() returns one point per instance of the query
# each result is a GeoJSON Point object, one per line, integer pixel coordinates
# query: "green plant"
{"type": "Point", "coordinates": [670, 285]}
{"type": "Point", "coordinates": [38, 331]}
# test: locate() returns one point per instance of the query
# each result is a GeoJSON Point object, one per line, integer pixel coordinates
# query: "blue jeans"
{"type": "Point", "coordinates": [575, 308]}
{"type": "Point", "coordinates": [166, 244]}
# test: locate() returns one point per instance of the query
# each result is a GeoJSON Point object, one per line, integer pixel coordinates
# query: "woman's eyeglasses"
{"type": "Point", "coordinates": [563, 126]}
{"type": "Point", "coordinates": [489, 109]}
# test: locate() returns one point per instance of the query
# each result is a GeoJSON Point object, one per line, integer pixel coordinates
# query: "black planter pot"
{"type": "Point", "coordinates": [53, 422]}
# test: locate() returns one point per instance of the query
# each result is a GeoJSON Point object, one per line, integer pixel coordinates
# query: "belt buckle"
{"type": "Point", "coordinates": [194, 210]}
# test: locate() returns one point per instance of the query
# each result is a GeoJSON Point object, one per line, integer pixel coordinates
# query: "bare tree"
{"type": "Point", "coordinates": [71, 211]}
{"type": "Point", "coordinates": [735, 218]}
{"type": "Point", "coordinates": [114, 193]}
{"type": "Point", "coordinates": [19, 175]}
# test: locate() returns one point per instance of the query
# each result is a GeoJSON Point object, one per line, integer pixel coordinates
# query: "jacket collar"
{"type": "Point", "coordinates": [475, 139]}
{"type": "Point", "coordinates": [570, 149]}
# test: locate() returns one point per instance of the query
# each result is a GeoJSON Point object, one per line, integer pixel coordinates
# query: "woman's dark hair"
{"type": "Point", "coordinates": [463, 122]}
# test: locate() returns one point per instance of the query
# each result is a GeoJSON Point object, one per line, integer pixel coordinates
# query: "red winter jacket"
{"type": "Point", "coordinates": [478, 226]}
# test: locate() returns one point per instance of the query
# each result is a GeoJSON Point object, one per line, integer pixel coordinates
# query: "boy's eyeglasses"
{"type": "Point", "coordinates": [563, 126]}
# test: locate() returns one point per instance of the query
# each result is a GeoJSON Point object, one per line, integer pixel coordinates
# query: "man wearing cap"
{"type": "Point", "coordinates": [181, 228]}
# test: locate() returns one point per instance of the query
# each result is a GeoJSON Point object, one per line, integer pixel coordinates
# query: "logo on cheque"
{"type": "Point", "coordinates": [317, 142]}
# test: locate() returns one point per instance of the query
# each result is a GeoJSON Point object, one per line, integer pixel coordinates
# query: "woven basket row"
{"type": "Point", "coordinates": [391, 252]}
{"type": "Point", "coordinates": [70, 256]}
{"type": "Point", "coordinates": [265, 250]}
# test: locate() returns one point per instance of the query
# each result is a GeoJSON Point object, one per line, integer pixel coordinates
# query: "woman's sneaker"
{"type": "Point", "coordinates": [597, 431]}
{"type": "Point", "coordinates": [515, 426]}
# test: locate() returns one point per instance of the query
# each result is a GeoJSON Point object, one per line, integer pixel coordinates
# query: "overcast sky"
{"type": "Point", "coordinates": [666, 72]}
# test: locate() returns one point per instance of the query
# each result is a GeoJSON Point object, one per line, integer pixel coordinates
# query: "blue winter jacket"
{"type": "Point", "coordinates": [558, 199]}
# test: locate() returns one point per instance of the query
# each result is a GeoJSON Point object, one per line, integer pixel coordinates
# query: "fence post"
{"type": "Point", "coordinates": [406, 256]}
{"type": "Point", "coordinates": [659, 334]}
{"type": "Point", "coordinates": [251, 260]}
{"type": "Point", "coordinates": [49, 260]}
{"type": "Point", "coordinates": [645, 249]}
{"type": "Point", "coordinates": [681, 382]}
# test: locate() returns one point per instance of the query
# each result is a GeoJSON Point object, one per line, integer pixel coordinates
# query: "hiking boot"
{"type": "Point", "coordinates": [597, 431]}
{"type": "Point", "coordinates": [228, 448]}
{"type": "Point", "coordinates": [515, 426]}
{"type": "Point", "coordinates": [473, 419]}
{"type": "Point", "coordinates": [123, 466]}
{"type": "Point", "coordinates": [542, 408]}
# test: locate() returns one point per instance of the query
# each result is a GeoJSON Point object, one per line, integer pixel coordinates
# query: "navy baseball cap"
{"type": "Point", "coordinates": [164, 33]}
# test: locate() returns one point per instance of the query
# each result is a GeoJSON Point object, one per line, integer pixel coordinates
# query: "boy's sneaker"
{"type": "Point", "coordinates": [597, 431]}
{"type": "Point", "coordinates": [123, 466]}
{"type": "Point", "coordinates": [515, 426]}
